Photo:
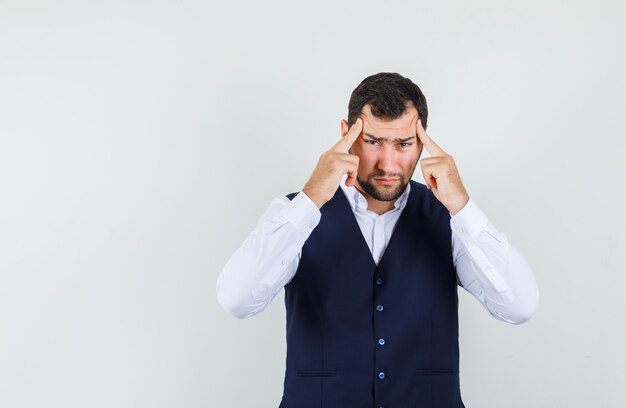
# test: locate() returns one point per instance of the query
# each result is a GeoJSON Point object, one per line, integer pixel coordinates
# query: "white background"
{"type": "Point", "coordinates": [140, 141]}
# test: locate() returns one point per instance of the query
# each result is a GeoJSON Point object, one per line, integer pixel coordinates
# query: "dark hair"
{"type": "Point", "coordinates": [387, 93]}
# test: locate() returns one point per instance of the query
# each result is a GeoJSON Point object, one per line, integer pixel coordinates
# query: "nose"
{"type": "Point", "coordinates": [387, 161]}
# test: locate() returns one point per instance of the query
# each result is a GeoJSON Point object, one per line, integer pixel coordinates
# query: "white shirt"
{"type": "Point", "coordinates": [487, 266]}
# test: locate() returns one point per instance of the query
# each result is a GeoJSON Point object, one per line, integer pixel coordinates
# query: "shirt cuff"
{"type": "Point", "coordinates": [302, 212]}
{"type": "Point", "coordinates": [469, 220]}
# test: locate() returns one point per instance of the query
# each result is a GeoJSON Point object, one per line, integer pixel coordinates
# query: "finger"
{"type": "Point", "coordinates": [428, 172]}
{"type": "Point", "coordinates": [431, 182]}
{"type": "Point", "coordinates": [346, 141]}
{"type": "Point", "coordinates": [431, 147]}
{"type": "Point", "coordinates": [350, 167]}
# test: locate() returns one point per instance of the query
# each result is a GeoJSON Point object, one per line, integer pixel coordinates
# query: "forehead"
{"type": "Point", "coordinates": [405, 124]}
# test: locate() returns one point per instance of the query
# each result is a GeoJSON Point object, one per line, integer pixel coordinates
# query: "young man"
{"type": "Point", "coordinates": [370, 261]}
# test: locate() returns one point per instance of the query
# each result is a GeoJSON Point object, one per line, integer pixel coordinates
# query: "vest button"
{"type": "Point", "coordinates": [381, 342]}
{"type": "Point", "coordinates": [380, 308]}
{"type": "Point", "coordinates": [379, 281]}
{"type": "Point", "coordinates": [381, 375]}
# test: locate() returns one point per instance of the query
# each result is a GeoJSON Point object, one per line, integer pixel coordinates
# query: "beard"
{"type": "Point", "coordinates": [388, 193]}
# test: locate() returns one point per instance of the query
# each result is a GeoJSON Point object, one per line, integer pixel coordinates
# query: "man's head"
{"type": "Point", "coordinates": [388, 148]}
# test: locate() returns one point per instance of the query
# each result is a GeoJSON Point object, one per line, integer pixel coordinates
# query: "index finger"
{"type": "Point", "coordinates": [346, 141]}
{"type": "Point", "coordinates": [431, 147]}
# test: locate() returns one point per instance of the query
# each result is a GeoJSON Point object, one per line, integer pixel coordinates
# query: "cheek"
{"type": "Point", "coordinates": [410, 160]}
{"type": "Point", "coordinates": [414, 155]}
{"type": "Point", "coordinates": [365, 155]}
{"type": "Point", "coordinates": [365, 166]}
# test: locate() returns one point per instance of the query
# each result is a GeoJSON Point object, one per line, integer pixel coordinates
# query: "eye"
{"type": "Point", "coordinates": [405, 144]}
{"type": "Point", "coordinates": [372, 141]}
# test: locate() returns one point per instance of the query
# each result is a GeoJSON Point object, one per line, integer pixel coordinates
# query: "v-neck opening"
{"type": "Point", "coordinates": [357, 227]}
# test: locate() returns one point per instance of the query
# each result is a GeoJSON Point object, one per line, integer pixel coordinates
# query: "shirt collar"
{"type": "Point", "coordinates": [359, 203]}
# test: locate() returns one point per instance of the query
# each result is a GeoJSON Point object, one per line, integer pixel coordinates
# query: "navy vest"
{"type": "Point", "coordinates": [361, 335]}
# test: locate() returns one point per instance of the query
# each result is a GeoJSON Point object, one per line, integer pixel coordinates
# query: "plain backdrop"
{"type": "Point", "coordinates": [140, 141]}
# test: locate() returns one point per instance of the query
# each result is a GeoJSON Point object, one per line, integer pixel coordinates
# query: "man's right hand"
{"type": "Point", "coordinates": [331, 167]}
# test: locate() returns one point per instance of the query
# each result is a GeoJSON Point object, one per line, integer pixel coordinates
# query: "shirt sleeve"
{"type": "Point", "coordinates": [268, 258]}
{"type": "Point", "coordinates": [490, 268]}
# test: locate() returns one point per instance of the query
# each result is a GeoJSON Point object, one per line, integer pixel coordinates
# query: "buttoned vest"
{"type": "Point", "coordinates": [362, 335]}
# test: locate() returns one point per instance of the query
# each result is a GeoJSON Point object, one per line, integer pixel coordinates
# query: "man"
{"type": "Point", "coordinates": [370, 261]}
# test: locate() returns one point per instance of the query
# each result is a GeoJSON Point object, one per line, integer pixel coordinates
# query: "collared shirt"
{"type": "Point", "coordinates": [487, 266]}
{"type": "Point", "coordinates": [376, 229]}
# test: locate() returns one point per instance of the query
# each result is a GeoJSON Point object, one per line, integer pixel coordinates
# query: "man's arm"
{"type": "Point", "coordinates": [486, 265]}
{"type": "Point", "coordinates": [268, 259]}
{"type": "Point", "coordinates": [490, 268]}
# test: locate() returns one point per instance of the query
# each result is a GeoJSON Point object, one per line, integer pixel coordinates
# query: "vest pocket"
{"type": "Point", "coordinates": [435, 371]}
{"type": "Point", "coordinates": [436, 387]}
{"type": "Point", "coordinates": [317, 373]}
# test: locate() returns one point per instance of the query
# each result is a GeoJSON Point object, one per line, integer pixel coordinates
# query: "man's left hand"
{"type": "Point", "coordinates": [441, 174]}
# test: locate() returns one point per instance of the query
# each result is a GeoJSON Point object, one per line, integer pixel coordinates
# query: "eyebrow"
{"type": "Point", "coordinates": [384, 139]}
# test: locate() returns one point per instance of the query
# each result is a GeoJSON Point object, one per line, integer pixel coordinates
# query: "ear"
{"type": "Point", "coordinates": [344, 127]}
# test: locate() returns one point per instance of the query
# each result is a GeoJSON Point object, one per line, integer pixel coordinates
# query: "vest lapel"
{"type": "Point", "coordinates": [354, 228]}
{"type": "Point", "coordinates": [400, 228]}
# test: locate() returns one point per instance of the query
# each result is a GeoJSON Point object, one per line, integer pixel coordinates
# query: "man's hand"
{"type": "Point", "coordinates": [441, 174]}
{"type": "Point", "coordinates": [331, 167]}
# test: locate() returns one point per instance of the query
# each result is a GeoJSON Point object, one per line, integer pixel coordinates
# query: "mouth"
{"type": "Point", "coordinates": [386, 181]}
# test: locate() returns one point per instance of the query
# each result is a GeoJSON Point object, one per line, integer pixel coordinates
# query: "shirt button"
{"type": "Point", "coordinates": [381, 375]}
{"type": "Point", "coordinates": [381, 342]}
{"type": "Point", "coordinates": [284, 262]}
{"type": "Point", "coordinates": [380, 308]}
{"type": "Point", "coordinates": [379, 281]}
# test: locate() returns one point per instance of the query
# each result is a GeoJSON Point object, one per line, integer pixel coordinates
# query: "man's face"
{"type": "Point", "coordinates": [388, 153]}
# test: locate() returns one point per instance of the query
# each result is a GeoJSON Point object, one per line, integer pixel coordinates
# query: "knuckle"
{"type": "Point", "coordinates": [332, 157]}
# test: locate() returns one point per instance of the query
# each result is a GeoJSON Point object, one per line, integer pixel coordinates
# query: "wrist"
{"type": "Point", "coordinates": [313, 196]}
{"type": "Point", "coordinates": [458, 205]}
